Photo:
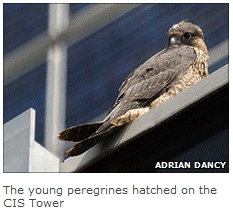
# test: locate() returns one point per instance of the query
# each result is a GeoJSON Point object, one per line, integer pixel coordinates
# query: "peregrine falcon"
{"type": "Point", "coordinates": [181, 64]}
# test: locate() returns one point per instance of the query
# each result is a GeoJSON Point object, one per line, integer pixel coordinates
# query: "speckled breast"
{"type": "Point", "coordinates": [197, 71]}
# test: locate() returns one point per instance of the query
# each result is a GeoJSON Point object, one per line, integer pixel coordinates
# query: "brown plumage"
{"type": "Point", "coordinates": [180, 65]}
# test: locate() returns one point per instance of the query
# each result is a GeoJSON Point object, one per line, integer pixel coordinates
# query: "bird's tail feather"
{"type": "Point", "coordinates": [79, 132]}
{"type": "Point", "coordinates": [81, 147]}
{"type": "Point", "coordinates": [89, 142]}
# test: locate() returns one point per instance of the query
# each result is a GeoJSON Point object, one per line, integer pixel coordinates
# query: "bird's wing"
{"type": "Point", "coordinates": [157, 72]}
{"type": "Point", "coordinates": [152, 79]}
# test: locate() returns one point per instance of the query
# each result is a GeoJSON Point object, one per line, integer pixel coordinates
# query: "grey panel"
{"type": "Point", "coordinates": [17, 136]}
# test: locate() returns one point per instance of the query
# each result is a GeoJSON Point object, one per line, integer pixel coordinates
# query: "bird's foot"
{"type": "Point", "coordinates": [129, 116]}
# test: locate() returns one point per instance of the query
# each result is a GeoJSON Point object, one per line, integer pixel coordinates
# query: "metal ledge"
{"type": "Point", "coordinates": [150, 121]}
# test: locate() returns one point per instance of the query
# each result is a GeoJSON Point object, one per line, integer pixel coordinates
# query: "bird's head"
{"type": "Point", "coordinates": [186, 33]}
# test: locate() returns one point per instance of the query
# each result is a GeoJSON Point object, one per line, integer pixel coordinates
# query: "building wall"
{"type": "Point", "coordinates": [98, 64]}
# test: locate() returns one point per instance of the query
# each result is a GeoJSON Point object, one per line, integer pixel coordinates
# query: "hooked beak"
{"type": "Point", "coordinates": [175, 40]}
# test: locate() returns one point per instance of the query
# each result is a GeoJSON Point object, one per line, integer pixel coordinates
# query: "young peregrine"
{"type": "Point", "coordinates": [180, 65]}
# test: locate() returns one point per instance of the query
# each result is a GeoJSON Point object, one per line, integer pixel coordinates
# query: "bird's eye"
{"type": "Point", "coordinates": [187, 35]}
